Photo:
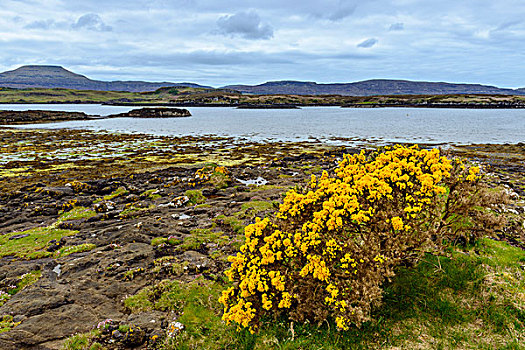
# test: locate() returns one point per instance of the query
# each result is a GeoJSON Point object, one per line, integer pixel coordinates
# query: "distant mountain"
{"type": "Point", "coordinates": [371, 87]}
{"type": "Point", "coordinates": [58, 77]}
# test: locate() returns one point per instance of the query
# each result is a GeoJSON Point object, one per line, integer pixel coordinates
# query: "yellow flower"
{"type": "Point", "coordinates": [341, 323]}
{"type": "Point", "coordinates": [286, 301]}
{"type": "Point", "coordinates": [397, 223]}
{"type": "Point", "coordinates": [317, 228]}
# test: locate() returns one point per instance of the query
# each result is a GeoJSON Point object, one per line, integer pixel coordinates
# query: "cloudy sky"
{"type": "Point", "coordinates": [222, 42]}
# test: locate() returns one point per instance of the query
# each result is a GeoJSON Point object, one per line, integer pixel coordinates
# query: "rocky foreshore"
{"type": "Point", "coordinates": [82, 231]}
{"type": "Point", "coordinates": [40, 116]}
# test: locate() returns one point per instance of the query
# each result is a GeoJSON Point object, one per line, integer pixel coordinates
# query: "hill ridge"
{"type": "Point", "coordinates": [372, 87]}
{"type": "Point", "coordinates": [54, 76]}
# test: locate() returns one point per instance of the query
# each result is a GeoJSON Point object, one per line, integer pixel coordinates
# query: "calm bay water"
{"type": "Point", "coordinates": [327, 124]}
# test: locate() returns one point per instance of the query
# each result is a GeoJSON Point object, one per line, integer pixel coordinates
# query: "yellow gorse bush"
{"type": "Point", "coordinates": [332, 244]}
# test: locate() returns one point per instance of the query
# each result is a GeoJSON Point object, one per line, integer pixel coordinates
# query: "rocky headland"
{"type": "Point", "coordinates": [37, 116]}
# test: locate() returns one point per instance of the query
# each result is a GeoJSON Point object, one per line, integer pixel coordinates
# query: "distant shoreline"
{"type": "Point", "coordinates": [356, 105]}
{"type": "Point", "coordinates": [286, 106]}
{"type": "Point", "coordinates": [440, 105]}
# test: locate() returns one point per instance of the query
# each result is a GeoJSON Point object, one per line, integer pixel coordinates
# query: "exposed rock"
{"type": "Point", "coordinates": [154, 113]}
{"type": "Point", "coordinates": [36, 116]}
{"type": "Point", "coordinates": [147, 320]}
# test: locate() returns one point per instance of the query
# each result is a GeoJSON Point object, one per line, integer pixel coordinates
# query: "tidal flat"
{"type": "Point", "coordinates": [134, 230]}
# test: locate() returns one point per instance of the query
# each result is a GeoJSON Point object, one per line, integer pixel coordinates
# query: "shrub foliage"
{"type": "Point", "coordinates": [334, 242]}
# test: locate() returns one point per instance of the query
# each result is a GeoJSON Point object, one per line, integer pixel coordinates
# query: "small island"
{"type": "Point", "coordinates": [154, 113]}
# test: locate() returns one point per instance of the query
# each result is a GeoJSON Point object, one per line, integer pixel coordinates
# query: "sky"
{"type": "Point", "coordinates": [225, 42]}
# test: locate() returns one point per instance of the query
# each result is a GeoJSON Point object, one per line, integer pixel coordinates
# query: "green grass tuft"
{"type": "Point", "coordinates": [82, 341]}
{"type": "Point", "coordinates": [121, 191]}
{"type": "Point", "coordinates": [151, 194]}
{"type": "Point", "coordinates": [26, 280]}
{"type": "Point", "coordinates": [76, 213]}
{"type": "Point", "coordinates": [234, 222]}
{"type": "Point", "coordinates": [198, 237]}
{"type": "Point", "coordinates": [32, 246]}
{"type": "Point", "coordinates": [257, 206]}
{"type": "Point", "coordinates": [65, 251]}
{"type": "Point", "coordinates": [195, 196]}
{"type": "Point", "coordinates": [6, 323]}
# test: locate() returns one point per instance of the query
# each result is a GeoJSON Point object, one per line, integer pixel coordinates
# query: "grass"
{"type": "Point", "coordinates": [262, 188]}
{"type": "Point", "coordinates": [6, 323]}
{"type": "Point", "coordinates": [158, 241]}
{"type": "Point", "coordinates": [197, 304]}
{"type": "Point", "coordinates": [131, 274]}
{"type": "Point", "coordinates": [140, 301]}
{"type": "Point", "coordinates": [169, 264]}
{"type": "Point", "coordinates": [233, 221]}
{"type": "Point", "coordinates": [60, 95]}
{"type": "Point", "coordinates": [203, 206]}
{"type": "Point", "coordinates": [77, 213]}
{"type": "Point", "coordinates": [121, 191]}
{"type": "Point", "coordinates": [219, 180]}
{"type": "Point", "coordinates": [33, 246]}
{"type": "Point", "coordinates": [449, 300]}
{"type": "Point", "coordinates": [65, 251]}
{"type": "Point", "coordinates": [4, 297]}
{"type": "Point", "coordinates": [250, 210]}
{"type": "Point", "coordinates": [26, 280]}
{"type": "Point", "coordinates": [47, 95]}
{"type": "Point", "coordinates": [257, 206]}
{"type": "Point", "coordinates": [198, 237]}
{"type": "Point", "coordinates": [165, 240]}
{"type": "Point", "coordinates": [83, 342]}
{"type": "Point", "coordinates": [472, 299]}
{"type": "Point", "coordinates": [195, 196]}
{"type": "Point", "coordinates": [151, 194]}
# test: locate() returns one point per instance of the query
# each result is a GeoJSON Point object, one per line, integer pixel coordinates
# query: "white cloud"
{"type": "Point", "coordinates": [91, 21]}
{"type": "Point", "coordinates": [246, 24]}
